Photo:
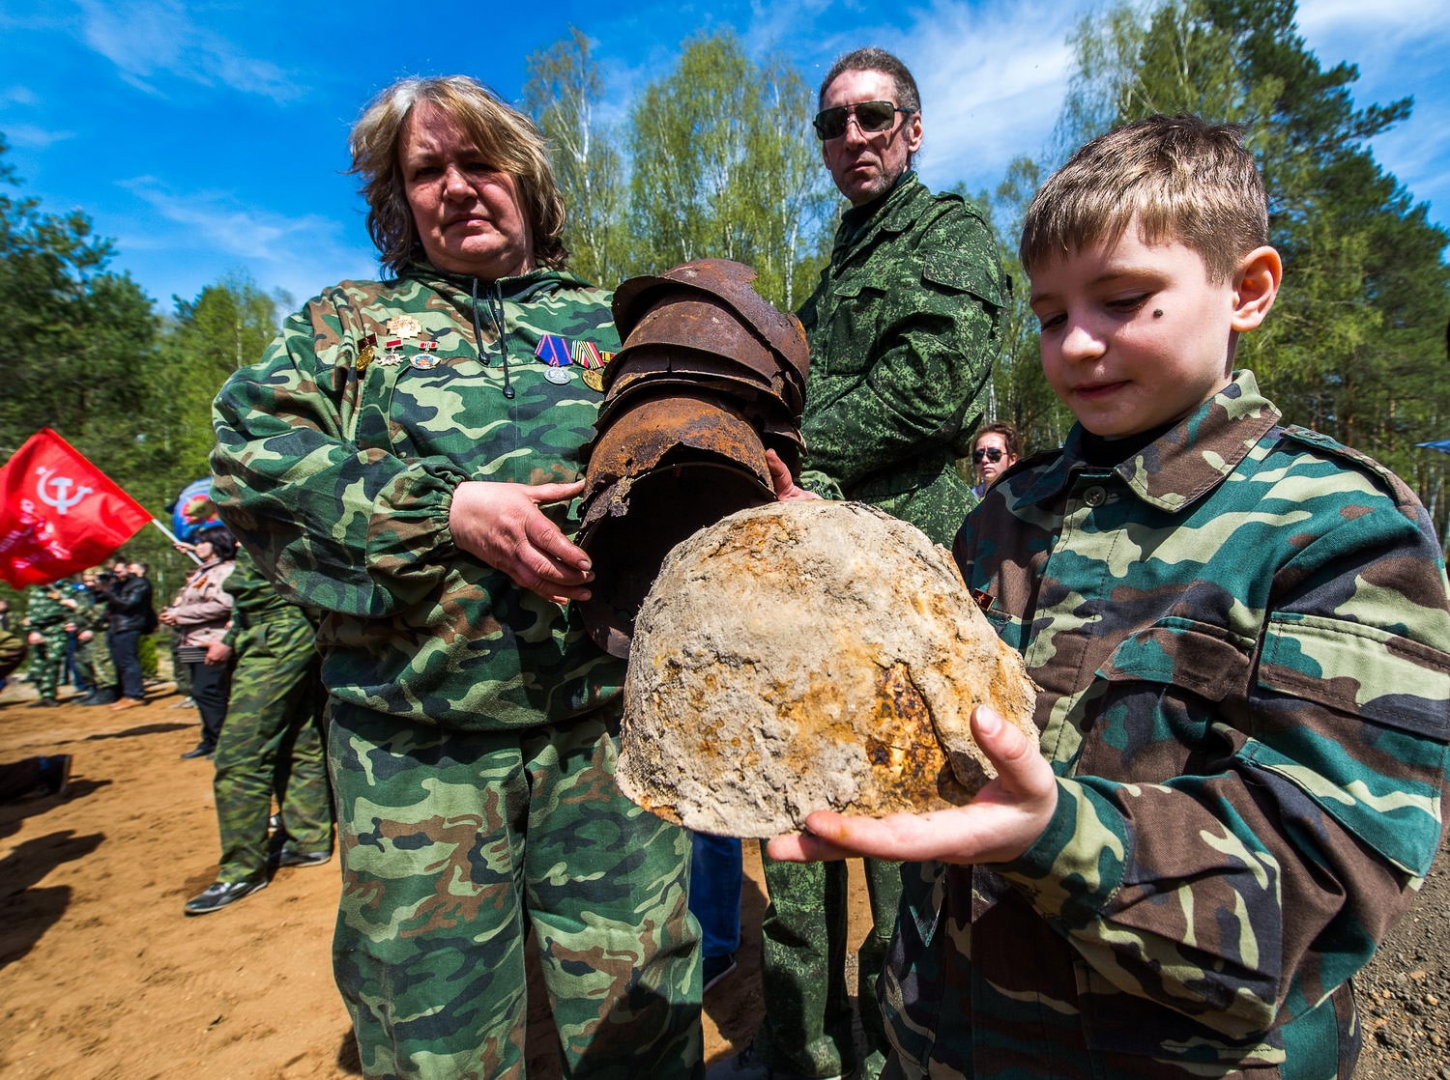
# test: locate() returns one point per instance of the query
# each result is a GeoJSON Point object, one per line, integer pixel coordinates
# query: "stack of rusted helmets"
{"type": "Point", "coordinates": [711, 376]}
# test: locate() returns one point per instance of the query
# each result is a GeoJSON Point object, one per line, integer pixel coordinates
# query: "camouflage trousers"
{"type": "Point", "coordinates": [272, 743]}
{"type": "Point", "coordinates": [454, 846]}
{"type": "Point", "coordinates": [807, 1028]}
{"type": "Point", "coordinates": [46, 663]}
{"type": "Point", "coordinates": [94, 667]}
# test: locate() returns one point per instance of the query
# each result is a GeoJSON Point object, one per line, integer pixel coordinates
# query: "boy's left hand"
{"type": "Point", "coordinates": [1002, 822]}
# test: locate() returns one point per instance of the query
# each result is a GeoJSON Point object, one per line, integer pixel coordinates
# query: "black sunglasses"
{"type": "Point", "coordinates": [871, 116]}
{"type": "Point", "coordinates": [991, 453]}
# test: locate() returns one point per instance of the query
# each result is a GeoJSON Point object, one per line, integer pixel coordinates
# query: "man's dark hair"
{"type": "Point", "coordinates": [873, 59]}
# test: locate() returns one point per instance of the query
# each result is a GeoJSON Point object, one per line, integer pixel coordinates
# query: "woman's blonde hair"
{"type": "Point", "coordinates": [1185, 180]}
{"type": "Point", "coordinates": [506, 137]}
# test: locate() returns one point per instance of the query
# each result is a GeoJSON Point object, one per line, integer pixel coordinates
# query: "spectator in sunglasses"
{"type": "Point", "coordinates": [994, 451]}
{"type": "Point", "coordinates": [903, 332]}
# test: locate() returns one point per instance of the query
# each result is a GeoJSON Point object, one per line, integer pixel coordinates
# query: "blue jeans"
{"type": "Point", "coordinates": [716, 876]}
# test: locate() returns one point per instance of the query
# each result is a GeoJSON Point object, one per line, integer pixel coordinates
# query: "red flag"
{"type": "Point", "coordinates": [59, 514]}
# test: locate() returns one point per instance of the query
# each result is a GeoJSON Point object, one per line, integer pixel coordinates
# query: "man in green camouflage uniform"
{"type": "Point", "coordinates": [93, 661]}
{"type": "Point", "coordinates": [45, 620]}
{"type": "Point", "coordinates": [903, 332]}
{"type": "Point", "coordinates": [472, 729]}
{"type": "Point", "coordinates": [271, 742]}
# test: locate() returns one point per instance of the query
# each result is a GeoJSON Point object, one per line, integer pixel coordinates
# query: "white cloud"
{"type": "Point", "coordinates": [32, 137]}
{"type": "Point", "coordinates": [19, 95]}
{"type": "Point", "coordinates": [992, 83]}
{"type": "Point", "coordinates": [191, 239]}
{"type": "Point", "coordinates": [150, 38]}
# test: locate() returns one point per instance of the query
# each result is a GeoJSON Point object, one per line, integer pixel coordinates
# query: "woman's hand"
{"type": "Point", "coordinates": [217, 654]}
{"type": "Point", "coordinates": [502, 524]}
{"type": "Point", "coordinates": [167, 616]}
{"type": "Point", "coordinates": [1002, 822]}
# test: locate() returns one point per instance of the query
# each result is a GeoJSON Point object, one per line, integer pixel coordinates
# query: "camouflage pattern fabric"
{"type": "Point", "coordinates": [336, 470]}
{"type": "Point", "coordinates": [807, 1028]}
{"type": "Point", "coordinates": [93, 658]}
{"type": "Point", "coordinates": [454, 845]}
{"type": "Point", "coordinates": [180, 673]}
{"type": "Point", "coordinates": [12, 651]}
{"type": "Point", "coordinates": [903, 333]}
{"type": "Point", "coordinates": [272, 740]}
{"type": "Point", "coordinates": [1243, 643]}
{"type": "Point", "coordinates": [45, 615]}
{"type": "Point", "coordinates": [335, 466]}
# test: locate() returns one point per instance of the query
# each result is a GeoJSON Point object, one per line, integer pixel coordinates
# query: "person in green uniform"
{"type": "Point", "coordinates": [90, 618]}
{"type": "Point", "coordinates": [46, 616]}
{"type": "Point", "coordinates": [405, 459]}
{"type": "Point", "coordinates": [271, 742]}
{"type": "Point", "coordinates": [903, 333]}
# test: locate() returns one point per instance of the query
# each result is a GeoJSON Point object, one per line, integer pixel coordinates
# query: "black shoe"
{"type": "Point", "coordinates": [200, 750]}
{"type": "Point", "coordinates": [44, 703]}
{"type": "Point", "coordinates": [289, 857]}
{"type": "Point", "coordinates": [55, 774]}
{"type": "Point", "coordinates": [105, 696]}
{"type": "Point", "coordinates": [219, 894]}
{"type": "Point", "coordinates": [716, 968]}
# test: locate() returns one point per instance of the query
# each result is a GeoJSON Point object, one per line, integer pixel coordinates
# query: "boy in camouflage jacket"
{"type": "Point", "coordinates": [1241, 635]}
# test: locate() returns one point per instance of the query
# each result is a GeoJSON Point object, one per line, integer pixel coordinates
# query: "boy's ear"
{"type": "Point", "coordinates": [1256, 283]}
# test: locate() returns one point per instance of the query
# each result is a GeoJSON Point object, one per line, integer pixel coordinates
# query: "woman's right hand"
{"type": "Point", "coordinates": [501, 524]}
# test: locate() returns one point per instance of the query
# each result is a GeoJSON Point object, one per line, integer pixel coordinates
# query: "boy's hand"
{"type": "Point", "coordinates": [999, 824]}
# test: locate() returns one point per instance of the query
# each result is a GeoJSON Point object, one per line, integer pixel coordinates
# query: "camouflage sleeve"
{"type": "Point", "coordinates": [1251, 889]}
{"type": "Point", "coordinates": [930, 352]}
{"type": "Point", "coordinates": [361, 532]}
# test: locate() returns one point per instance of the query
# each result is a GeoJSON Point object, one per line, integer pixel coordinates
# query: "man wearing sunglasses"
{"type": "Point", "coordinates": [903, 331]}
{"type": "Point", "coordinates": [994, 451]}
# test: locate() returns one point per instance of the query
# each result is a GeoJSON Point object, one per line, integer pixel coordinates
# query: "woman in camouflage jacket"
{"type": "Point", "coordinates": [404, 459]}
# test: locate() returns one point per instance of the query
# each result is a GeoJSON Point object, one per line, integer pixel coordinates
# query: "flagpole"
{"type": "Point", "coordinates": [172, 537]}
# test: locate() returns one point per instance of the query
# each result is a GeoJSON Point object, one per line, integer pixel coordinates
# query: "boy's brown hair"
{"type": "Point", "coordinates": [1186, 181]}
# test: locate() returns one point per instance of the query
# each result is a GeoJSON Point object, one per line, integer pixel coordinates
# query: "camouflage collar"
{"type": "Point", "coordinates": [894, 212]}
{"type": "Point", "coordinates": [516, 289]}
{"type": "Point", "coordinates": [1189, 461]}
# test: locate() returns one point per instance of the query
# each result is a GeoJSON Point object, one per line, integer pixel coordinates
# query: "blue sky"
{"type": "Point", "coordinates": [209, 137]}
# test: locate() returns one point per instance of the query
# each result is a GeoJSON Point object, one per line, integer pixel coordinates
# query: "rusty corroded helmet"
{"type": "Point", "coordinates": [725, 281]}
{"type": "Point", "coordinates": [667, 467]}
{"type": "Point", "coordinates": [710, 376]}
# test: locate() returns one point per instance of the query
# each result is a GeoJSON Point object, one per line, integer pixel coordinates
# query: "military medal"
{"type": "Point", "coordinates": [365, 354]}
{"type": "Point", "coordinates": [594, 379]}
{"type": "Point", "coordinates": [403, 326]}
{"type": "Point", "coordinates": [554, 351]}
{"type": "Point", "coordinates": [425, 360]}
{"type": "Point", "coordinates": [392, 353]}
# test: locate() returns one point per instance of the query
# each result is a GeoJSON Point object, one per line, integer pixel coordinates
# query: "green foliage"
{"type": "Point", "coordinates": [722, 168]}
{"type": "Point", "coordinates": [562, 93]}
{"type": "Point", "coordinates": [721, 165]}
{"type": "Point", "coordinates": [146, 653]}
{"type": "Point", "coordinates": [1354, 346]}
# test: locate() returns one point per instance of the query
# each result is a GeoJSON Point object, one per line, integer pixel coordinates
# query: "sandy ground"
{"type": "Point", "coordinates": [101, 975]}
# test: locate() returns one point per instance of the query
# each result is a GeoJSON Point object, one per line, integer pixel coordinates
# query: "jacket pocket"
{"type": "Point", "coordinates": [1162, 687]}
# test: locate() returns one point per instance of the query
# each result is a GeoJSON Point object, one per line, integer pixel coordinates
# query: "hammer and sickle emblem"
{"type": "Point", "coordinates": [61, 486]}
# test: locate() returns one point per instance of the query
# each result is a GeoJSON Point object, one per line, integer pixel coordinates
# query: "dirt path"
{"type": "Point", "coordinates": [101, 975]}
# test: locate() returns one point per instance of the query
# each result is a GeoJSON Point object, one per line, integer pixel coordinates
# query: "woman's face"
{"type": "Point", "coordinates": [468, 215]}
{"type": "Point", "coordinates": [204, 550]}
